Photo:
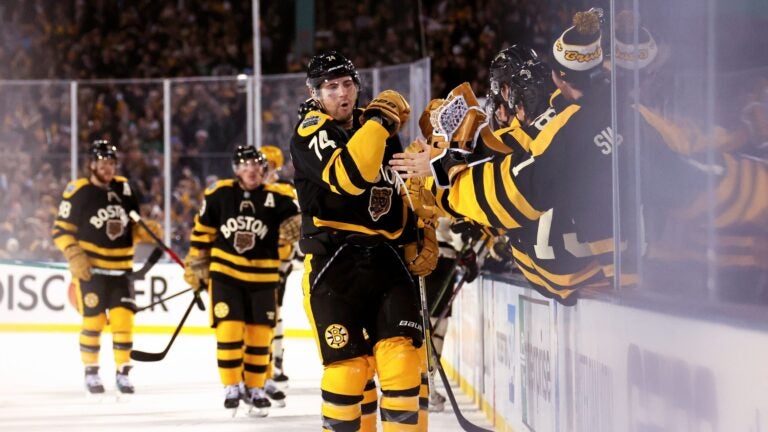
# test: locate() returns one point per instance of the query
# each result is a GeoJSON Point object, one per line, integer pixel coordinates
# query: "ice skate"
{"type": "Point", "coordinates": [257, 399]}
{"type": "Point", "coordinates": [232, 398]}
{"type": "Point", "coordinates": [278, 376]}
{"type": "Point", "coordinates": [93, 385]}
{"type": "Point", "coordinates": [436, 401]}
{"type": "Point", "coordinates": [273, 392]}
{"type": "Point", "coordinates": [123, 384]}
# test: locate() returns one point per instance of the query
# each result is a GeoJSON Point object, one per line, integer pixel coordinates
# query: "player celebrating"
{"type": "Point", "coordinates": [358, 292]}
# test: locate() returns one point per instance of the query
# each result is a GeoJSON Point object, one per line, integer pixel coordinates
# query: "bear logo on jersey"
{"type": "Point", "coordinates": [336, 336]}
{"type": "Point", "coordinates": [114, 228]}
{"type": "Point", "coordinates": [244, 241]}
{"type": "Point", "coordinates": [380, 202]}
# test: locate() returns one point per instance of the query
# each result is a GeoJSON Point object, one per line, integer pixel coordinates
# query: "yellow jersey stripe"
{"type": "Point", "coordinates": [110, 252]}
{"type": "Point", "coordinates": [344, 226]}
{"type": "Point", "coordinates": [326, 176]}
{"type": "Point", "coordinates": [463, 200]}
{"type": "Point", "coordinates": [238, 260]}
{"type": "Point", "coordinates": [217, 267]}
{"type": "Point", "coordinates": [111, 265]}
{"type": "Point", "coordinates": [513, 194]}
{"type": "Point", "coordinates": [545, 137]}
{"type": "Point", "coordinates": [367, 149]}
{"type": "Point", "coordinates": [65, 226]}
{"type": "Point", "coordinates": [490, 196]}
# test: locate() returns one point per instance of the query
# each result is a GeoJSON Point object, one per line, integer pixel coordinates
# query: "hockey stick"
{"type": "Point", "coordinates": [136, 218]}
{"type": "Point", "coordinates": [144, 356]}
{"type": "Point", "coordinates": [463, 421]}
{"type": "Point", "coordinates": [163, 300]}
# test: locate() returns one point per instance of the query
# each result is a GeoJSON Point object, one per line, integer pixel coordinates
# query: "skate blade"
{"type": "Point", "coordinates": [278, 404]}
{"type": "Point", "coordinates": [233, 411]}
{"type": "Point", "coordinates": [258, 412]}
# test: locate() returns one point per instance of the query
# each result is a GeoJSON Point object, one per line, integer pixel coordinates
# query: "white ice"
{"type": "Point", "coordinates": [41, 389]}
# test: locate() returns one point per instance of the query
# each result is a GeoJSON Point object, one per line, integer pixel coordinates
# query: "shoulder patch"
{"type": "Point", "coordinates": [218, 185]}
{"type": "Point", "coordinates": [74, 186]}
{"type": "Point", "coordinates": [312, 122]}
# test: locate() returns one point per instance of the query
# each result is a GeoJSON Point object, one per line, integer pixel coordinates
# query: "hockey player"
{"type": "Point", "coordinates": [97, 237]}
{"type": "Point", "coordinates": [564, 184]}
{"type": "Point", "coordinates": [234, 248]}
{"type": "Point", "coordinates": [277, 375]}
{"type": "Point", "coordinates": [357, 234]}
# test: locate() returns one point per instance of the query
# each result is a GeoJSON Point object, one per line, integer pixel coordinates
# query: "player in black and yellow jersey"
{"type": "Point", "coordinates": [97, 237]}
{"type": "Point", "coordinates": [275, 161]}
{"type": "Point", "coordinates": [234, 247]}
{"type": "Point", "coordinates": [555, 194]}
{"type": "Point", "coordinates": [356, 234]}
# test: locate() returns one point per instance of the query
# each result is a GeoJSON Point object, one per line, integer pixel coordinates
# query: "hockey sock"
{"type": "Point", "coordinates": [90, 338]}
{"type": "Point", "coordinates": [256, 360]}
{"type": "Point", "coordinates": [229, 351]}
{"type": "Point", "coordinates": [121, 320]}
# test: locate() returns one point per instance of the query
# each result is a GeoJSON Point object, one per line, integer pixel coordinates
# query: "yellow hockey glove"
{"type": "Point", "coordinates": [290, 230]}
{"type": "Point", "coordinates": [457, 122]}
{"type": "Point", "coordinates": [393, 109]}
{"type": "Point", "coordinates": [79, 265]}
{"type": "Point", "coordinates": [423, 262]}
{"type": "Point", "coordinates": [196, 269]}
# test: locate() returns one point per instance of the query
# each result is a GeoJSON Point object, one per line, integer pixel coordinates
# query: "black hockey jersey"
{"type": "Point", "coordinates": [343, 184]}
{"type": "Point", "coordinates": [97, 219]}
{"type": "Point", "coordinates": [556, 198]}
{"type": "Point", "coordinates": [241, 230]}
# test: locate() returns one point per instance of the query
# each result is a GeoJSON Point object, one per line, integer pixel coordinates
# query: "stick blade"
{"type": "Point", "coordinates": [144, 356]}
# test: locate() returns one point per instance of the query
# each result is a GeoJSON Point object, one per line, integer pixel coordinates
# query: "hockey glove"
{"type": "Point", "coordinates": [290, 230]}
{"type": "Point", "coordinates": [457, 122]}
{"type": "Point", "coordinates": [196, 269]}
{"type": "Point", "coordinates": [79, 265]}
{"type": "Point", "coordinates": [422, 262]}
{"type": "Point", "coordinates": [391, 107]}
{"type": "Point", "coordinates": [424, 121]}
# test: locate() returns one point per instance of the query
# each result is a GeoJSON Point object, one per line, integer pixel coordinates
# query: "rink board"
{"type": "Point", "coordinates": [36, 298]}
{"type": "Point", "coordinates": [533, 365]}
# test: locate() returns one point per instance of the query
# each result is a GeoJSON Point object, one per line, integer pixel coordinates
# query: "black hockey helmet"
{"type": "Point", "coordinates": [528, 77]}
{"type": "Point", "coordinates": [327, 66]}
{"type": "Point", "coordinates": [103, 149]}
{"type": "Point", "coordinates": [244, 153]}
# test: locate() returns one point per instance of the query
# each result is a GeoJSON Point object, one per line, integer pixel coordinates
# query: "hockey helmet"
{"type": "Point", "coordinates": [274, 155]}
{"type": "Point", "coordinates": [103, 149]}
{"type": "Point", "coordinates": [244, 153]}
{"type": "Point", "coordinates": [520, 68]}
{"type": "Point", "coordinates": [327, 66]}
